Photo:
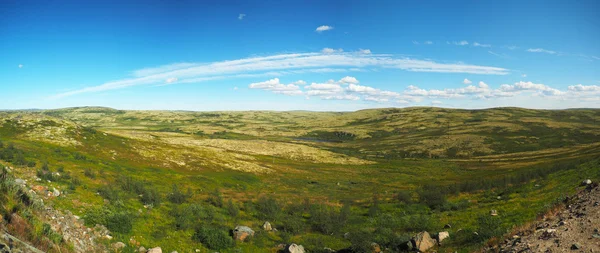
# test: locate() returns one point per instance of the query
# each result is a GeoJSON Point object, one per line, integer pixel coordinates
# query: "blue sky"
{"type": "Point", "coordinates": [299, 55]}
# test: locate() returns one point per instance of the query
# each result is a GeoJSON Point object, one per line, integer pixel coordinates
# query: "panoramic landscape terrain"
{"type": "Point", "coordinates": [299, 126]}
{"type": "Point", "coordinates": [328, 181]}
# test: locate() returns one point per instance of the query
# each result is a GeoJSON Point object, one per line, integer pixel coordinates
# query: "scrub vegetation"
{"type": "Point", "coordinates": [183, 180]}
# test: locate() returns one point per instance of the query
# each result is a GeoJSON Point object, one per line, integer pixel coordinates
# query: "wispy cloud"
{"type": "Point", "coordinates": [476, 44]}
{"type": "Point", "coordinates": [364, 51]}
{"type": "Point", "coordinates": [467, 81]}
{"type": "Point", "coordinates": [331, 50]}
{"type": "Point", "coordinates": [323, 28]}
{"type": "Point", "coordinates": [282, 64]}
{"type": "Point", "coordinates": [241, 16]}
{"type": "Point", "coordinates": [429, 42]}
{"type": "Point", "coordinates": [20, 66]}
{"type": "Point", "coordinates": [461, 43]}
{"type": "Point", "coordinates": [541, 50]}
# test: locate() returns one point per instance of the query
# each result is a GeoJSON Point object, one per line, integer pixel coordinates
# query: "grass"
{"type": "Point", "coordinates": [303, 161]}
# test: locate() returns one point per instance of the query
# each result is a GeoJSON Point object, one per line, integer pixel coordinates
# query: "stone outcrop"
{"type": "Point", "coordinates": [423, 241]}
{"type": "Point", "coordinates": [240, 233]}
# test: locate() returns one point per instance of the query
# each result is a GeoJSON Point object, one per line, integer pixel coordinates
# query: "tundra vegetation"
{"type": "Point", "coordinates": [182, 180]}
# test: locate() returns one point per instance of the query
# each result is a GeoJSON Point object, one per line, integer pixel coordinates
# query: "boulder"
{"type": "Point", "coordinates": [586, 182]}
{"type": "Point", "coordinates": [240, 233]}
{"type": "Point", "coordinates": [55, 192]}
{"type": "Point", "coordinates": [375, 248]}
{"type": "Point", "coordinates": [267, 226]}
{"type": "Point", "coordinates": [142, 249]}
{"type": "Point", "coordinates": [20, 181]}
{"type": "Point", "coordinates": [447, 226]}
{"type": "Point", "coordinates": [423, 241]}
{"type": "Point", "coordinates": [118, 245]}
{"type": "Point", "coordinates": [155, 250]}
{"type": "Point", "coordinates": [442, 236]}
{"type": "Point", "coordinates": [294, 248]}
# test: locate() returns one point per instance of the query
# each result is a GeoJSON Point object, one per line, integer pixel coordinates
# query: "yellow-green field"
{"type": "Point", "coordinates": [385, 173]}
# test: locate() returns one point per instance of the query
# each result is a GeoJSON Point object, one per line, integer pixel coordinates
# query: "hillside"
{"type": "Point", "coordinates": [182, 180]}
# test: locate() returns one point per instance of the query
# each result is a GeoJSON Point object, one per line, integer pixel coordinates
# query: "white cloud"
{"type": "Point", "coordinates": [540, 50]}
{"type": "Point", "coordinates": [235, 88]}
{"type": "Point", "coordinates": [349, 80]}
{"type": "Point", "coordinates": [461, 43]}
{"type": "Point", "coordinates": [280, 65]}
{"type": "Point", "coordinates": [467, 81]}
{"type": "Point", "coordinates": [585, 88]}
{"type": "Point", "coordinates": [171, 80]}
{"type": "Point", "coordinates": [331, 50]}
{"type": "Point", "coordinates": [364, 51]}
{"type": "Point", "coordinates": [20, 66]}
{"type": "Point", "coordinates": [415, 42]}
{"type": "Point", "coordinates": [524, 75]}
{"type": "Point", "coordinates": [241, 16]}
{"type": "Point", "coordinates": [481, 45]}
{"type": "Point", "coordinates": [299, 82]}
{"type": "Point", "coordinates": [323, 28]}
{"type": "Point", "coordinates": [429, 42]}
{"type": "Point", "coordinates": [275, 86]}
{"type": "Point", "coordinates": [512, 47]}
{"type": "Point", "coordinates": [483, 85]}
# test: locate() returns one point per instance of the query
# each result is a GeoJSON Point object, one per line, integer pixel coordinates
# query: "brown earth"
{"type": "Point", "coordinates": [573, 227]}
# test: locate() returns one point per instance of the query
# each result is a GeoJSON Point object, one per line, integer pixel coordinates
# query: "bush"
{"type": "Point", "coordinates": [120, 222]}
{"type": "Point", "coordinates": [294, 224]}
{"type": "Point", "coordinates": [177, 196]}
{"type": "Point", "coordinates": [213, 238]}
{"type": "Point", "coordinates": [187, 215]}
{"type": "Point", "coordinates": [215, 198]}
{"type": "Point", "coordinates": [268, 208]}
{"type": "Point", "coordinates": [232, 209]}
{"type": "Point", "coordinates": [361, 241]}
{"type": "Point", "coordinates": [89, 173]}
{"type": "Point", "coordinates": [432, 196]}
{"type": "Point", "coordinates": [489, 226]}
{"type": "Point", "coordinates": [404, 197]}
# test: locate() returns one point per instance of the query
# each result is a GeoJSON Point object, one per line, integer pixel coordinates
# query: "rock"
{"type": "Point", "coordinates": [294, 248]}
{"type": "Point", "coordinates": [118, 245]}
{"type": "Point", "coordinates": [328, 250]}
{"type": "Point", "coordinates": [493, 212]}
{"type": "Point", "coordinates": [174, 251]}
{"type": "Point", "coordinates": [586, 182]}
{"type": "Point", "coordinates": [108, 237]}
{"type": "Point", "coordinates": [447, 226]}
{"type": "Point", "coordinates": [20, 181]}
{"type": "Point", "coordinates": [375, 248]}
{"type": "Point", "coordinates": [267, 226]}
{"type": "Point", "coordinates": [155, 250]}
{"type": "Point", "coordinates": [55, 192]}
{"type": "Point", "coordinates": [442, 236]}
{"type": "Point", "coordinates": [240, 233]}
{"type": "Point", "coordinates": [142, 249]}
{"type": "Point", "coordinates": [575, 246]}
{"type": "Point", "coordinates": [423, 241]}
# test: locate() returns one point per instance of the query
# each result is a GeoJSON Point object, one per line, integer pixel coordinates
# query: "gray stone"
{"type": "Point", "coordinates": [118, 245]}
{"type": "Point", "coordinates": [267, 226]}
{"type": "Point", "coordinates": [493, 212]}
{"type": "Point", "coordinates": [423, 241]}
{"type": "Point", "coordinates": [155, 250]}
{"type": "Point", "coordinates": [142, 249]}
{"type": "Point", "coordinates": [240, 233]}
{"type": "Point", "coordinates": [442, 236]}
{"type": "Point", "coordinates": [294, 248]}
{"type": "Point", "coordinates": [586, 182]}
{"type": "Point", "coordinates": [55, 192]}
{"type": "Point", "coordinates": [575, 246]}
{"type": "Point", "coordinates": [20, 181]}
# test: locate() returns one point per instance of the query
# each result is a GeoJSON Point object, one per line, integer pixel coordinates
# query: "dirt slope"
{"type": "Point", "coordinates": [573, 228]}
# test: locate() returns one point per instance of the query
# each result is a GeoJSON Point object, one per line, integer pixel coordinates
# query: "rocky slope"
{"type": "Point", "coordinates": [573, 228]}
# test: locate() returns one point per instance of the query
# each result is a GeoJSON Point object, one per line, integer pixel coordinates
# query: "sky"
{"type": "Point", "coordinates": [299, 55]}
